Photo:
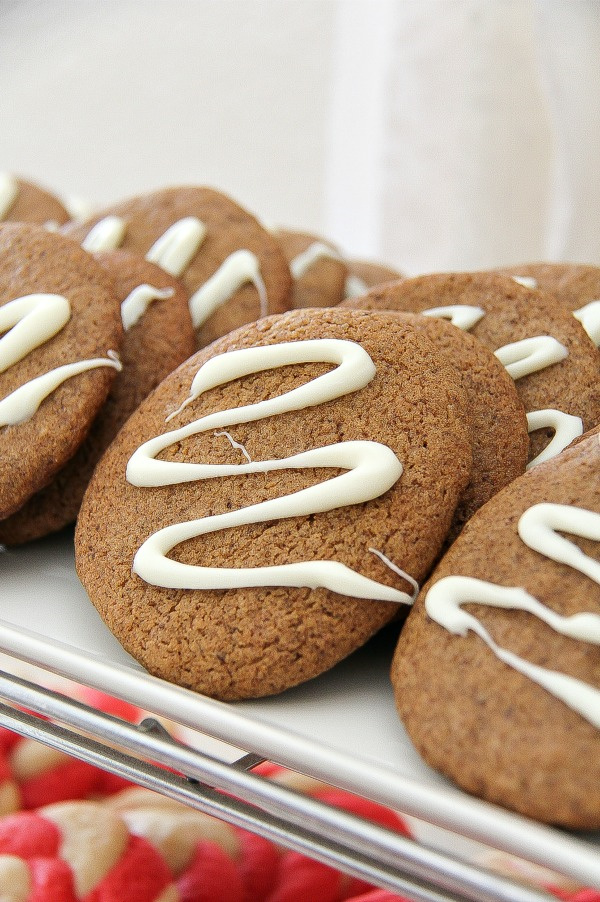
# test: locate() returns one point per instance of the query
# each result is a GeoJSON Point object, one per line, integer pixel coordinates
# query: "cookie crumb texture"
{"type": "Point", "coordinates": [33, 261]}
{"type": "Point", "coordinates": [238, 643]}
{"type": "Point", "coordinates": [488, 727]}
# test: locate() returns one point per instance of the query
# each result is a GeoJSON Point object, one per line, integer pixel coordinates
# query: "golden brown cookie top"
{"type": "Point", "coordinates": [234, 269]}
{"type": "Point", "coordinates": [24, 201]}
{"type": "Point", "coordinates": [317, 268]}
{"type": "Point", "coordinates": [378, 461]}
{"type": "Point", "coordinates": [58, 354]}
{"type": "Point", "coordinates": [485, 666]}
{"type": "Point", "coordinates": [366, 274]}
{"type": "Point", "coordinates": [545, 349]}
{"type": "Point", "coordinates": [158, 337]}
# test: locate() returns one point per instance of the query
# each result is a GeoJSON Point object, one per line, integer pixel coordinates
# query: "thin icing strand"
{"type": "Point", "coordinates": [530, 355]}
{"type": "Point", "coordinates": [372, 468]}
{"type": "Point", "coordinates": [316, 251]}
{"type": "Point", "coordinates": [354, 287]}
{"type": "Point", "coordinates": [177, 247]}
{"type": "Point", "coordinates": [106, 235]}
{"type": "Point", "coordinates": [589, 317]}
{"type": "Point", "coordinates": [537, 528]}
{"type": "Point", "coordinates": [22, 403]}
{"type": "Point", "coordinates": [29, 322]}
{"type": "Point", "coordinates": [464, 316]}
{"type": "Point", "coordinates": [240, 267]}
{"type": "Point", "coordinates": [9, 189]}
{"type": "Point", "coordinates": [566, 428]}
{"type": "Point", "coordinates": [526, 281]}
{"type": "Point", "coordinates": [137, 302]}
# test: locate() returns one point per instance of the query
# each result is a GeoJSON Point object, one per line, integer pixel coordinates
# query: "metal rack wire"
{"type": "Point", "coordinates": [234, 794]}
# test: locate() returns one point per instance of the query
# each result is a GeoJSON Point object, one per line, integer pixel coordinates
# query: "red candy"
{"type": "Point", "coordinates": [28, 835]}
{"type": "Point", "coordinates": [139, 876]}
{"type": "Point", "coordinates": [211, 876]}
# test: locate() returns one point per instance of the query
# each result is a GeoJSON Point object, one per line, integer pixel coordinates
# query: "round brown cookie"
{"type": "Point", "coordinates": [153, 346]}
{"type": "Point", "coordinates": [246, 642]}
{"type": "Point", "coordinates": [143, 220]}
{"type": "Point", "coordinates": [497, 421]}
{"type": "Point", "coordinates": [512, 313]}
{"type": "Point", "coordinates": [575, 285]}
{"type": "Point", "coordinates": [317, 269]}
{"type": "Point", "coordinates": [365, 274]}
{"type": "Point", "coordinates": [479, 720]}
{"type": "Point", "coordinates": [24, 201]}
{"type": "Point", "coordinates": [84, 315]}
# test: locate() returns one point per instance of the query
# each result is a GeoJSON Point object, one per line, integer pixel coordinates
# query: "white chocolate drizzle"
{"type": "Point", "coordinates": [106, 235]}
{"type": "Point", "coordinates": [538, 528]}
{"type": "Point", "coordinates": [316, 251]}
{"type": "Point", "coordinates": [526, 281]}
{"type": "Point", "coordinates": [9, 189]}
{"type": "Point", "coordinates": [464, 316]}
{"type": "Point", "coordinates": [22, 403]}
{"type": "Point", "coordinates": [137, 302]}
{"type": "Point", "coordinates": [239, 268]}
{"type": "Point", "coordinates": [177, 247]}
{"type": "Point", "coordinates": [589, 317]}
{"type": "Point", "coordinates": [566, 428]}
{"type": "Point", "coordinates": [371, 469]}
{"type": "Point", "coordinates": [530, 355]}
{"type": "Point", "coordinates": [354, 287]}
{"type": "Point", "coordinates": [28, 322]}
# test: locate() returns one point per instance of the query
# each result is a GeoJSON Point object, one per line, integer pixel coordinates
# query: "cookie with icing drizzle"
{"type": "Point", "coordinates": [256, 519]}
{"type": "Point", "coordinates": [497, 670]}
{"type": "Point", "coordinates": [60, 331]}
{"type": "Point", "coordinates": [544, 348]}
{"type": "Point", "coordinates": [24, 201]}
{"type": "Point", "coordinates": [234, 269]}
{"type": "Point", "coordinates": [497, 420]}
{"type": "Point", "coordinates": [158, 337]}
{"type": "Point", "coordinates": [317, 268]}
{"type": "Point", "coordinates": [366, 274]}
{"type": "Point", "coordinates": [575, 285]}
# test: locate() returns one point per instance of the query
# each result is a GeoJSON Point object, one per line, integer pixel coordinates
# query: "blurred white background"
{"type": "Point", "coordinates": [430, 134]}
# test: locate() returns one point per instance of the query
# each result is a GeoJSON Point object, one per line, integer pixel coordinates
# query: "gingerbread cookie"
{"type": "Point", "coordinates": [495, 414]}
{"type": "Point", "coordinates": [234, 270]}
{"type": "Point", "coordinates": [275, 468]}
{"type": "Point", "coordinates": [317, 268]}
{"type": "Point", "coordinates": [497, 670]}
{"type": "Point", "coordinates": [158, 337]}
{"type": "Point", "coordinates": [24, 201]}
{"type": "Point", "coordinates": [546, 351]}
{"type": "Point", "coordinates": [575, 285]}
{"type": "Point", "coordinates": [61, 328]}
{"type": "Point", "coordinates": [366, 274]}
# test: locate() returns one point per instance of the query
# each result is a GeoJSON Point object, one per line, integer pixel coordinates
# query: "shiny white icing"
{"type": "Point", "coordinates": [530, 355]}
{"type": "Point", "coordinates": [526, 281]}
{"type": "Point", "coordinates": [316, 251]}
{"type": "Point", "coordinates": [371, 469]}
{"type": "Point", "coordinates": [9, 188]}
{"type": "Point", "coordinates": [589, 317]}
{"type": "Point", "coordinates": [137, 302]}
{"type": "Point", "coordinates": [22, 403]}
{"type": "Point", "coordinates": [177, 247]}
{"type": "Point", "coordinates": [538, 528]}
{"type": "Point", "coordinates": [240, 267]}
{"type": "Point", "coordinates": [464, 316]}
{"type": "Point", "coordinates": [354, 287]}
{"type": "Point", "coordinates": [106, 235]}
{"type": "Point", "coordinates": [566, 428]}
{"type": "Point", "coordinates": [28, 322]}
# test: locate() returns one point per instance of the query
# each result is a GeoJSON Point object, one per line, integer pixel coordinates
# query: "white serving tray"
{"type": "Point", "coordinates": [341, 728]}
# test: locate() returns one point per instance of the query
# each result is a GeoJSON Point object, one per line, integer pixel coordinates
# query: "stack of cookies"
{"type": "Point", "coordinates": [268, 473]}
